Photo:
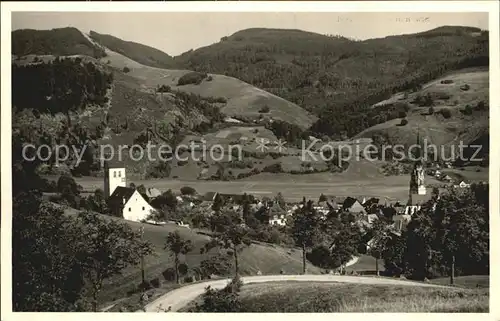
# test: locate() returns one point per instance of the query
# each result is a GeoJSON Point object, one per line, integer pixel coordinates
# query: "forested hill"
{"type": "Point", "coordinates": [138, 52]}
{"type": "Point", "coordinates": [59, 42]}
{"type": "Point", "coordinates": [337, 78]}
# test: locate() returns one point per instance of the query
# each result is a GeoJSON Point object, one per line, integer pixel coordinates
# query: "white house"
{"type": "Point", "coordinates": [463, 184]}
{"type": "Point", "coordinates": [128, 203]}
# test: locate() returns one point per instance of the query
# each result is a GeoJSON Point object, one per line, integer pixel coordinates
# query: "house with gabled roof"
{"type": "Point", "coordinates": [128, 203]}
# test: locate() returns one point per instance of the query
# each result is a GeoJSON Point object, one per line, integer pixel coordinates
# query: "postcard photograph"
{"type": "Point", "coordinates": [249, 161]}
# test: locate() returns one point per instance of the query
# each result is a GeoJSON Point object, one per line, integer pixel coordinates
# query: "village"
{"type": "Point", "coordinates": [143, 204]}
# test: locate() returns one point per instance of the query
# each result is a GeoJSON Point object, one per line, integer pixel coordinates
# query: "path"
{"type": "Point", "coordinates": [178, 298]}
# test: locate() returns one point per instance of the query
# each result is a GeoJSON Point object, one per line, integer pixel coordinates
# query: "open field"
{"type": "Point", "coordinates": [343, 297]}
{"type": "Point", "coordinates": [468, 281]}
{"type": "Point", "coordinates": [293, 187]}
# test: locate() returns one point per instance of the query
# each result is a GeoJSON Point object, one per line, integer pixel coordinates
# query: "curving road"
{"type": "Point", "coordinates": [178, 298]}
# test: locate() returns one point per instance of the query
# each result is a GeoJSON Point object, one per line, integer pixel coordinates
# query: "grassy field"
{"type": "Point", "coordinates": [468, 281]}
{"type": "Point", "coordinates": [343, 297]}
{"type": "Point", "coordinates": [293, 187]}
{"type": "Point", "coordinates": [268, 258]}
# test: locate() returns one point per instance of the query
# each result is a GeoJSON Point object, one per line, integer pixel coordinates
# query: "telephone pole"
{"type": "Point", "coordinates": [142, 257]}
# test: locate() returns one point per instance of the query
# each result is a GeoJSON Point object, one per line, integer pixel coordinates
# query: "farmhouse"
{"type": "Point", "coordinates": [462, 184]}
{"type": "Point", "coordinates": [352, 205]}
{"type": "Point", "coordinates": [128, 203]}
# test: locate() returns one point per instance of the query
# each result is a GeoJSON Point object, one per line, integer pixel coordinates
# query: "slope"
{"type": "Point", "coordinates": [59, 42]}
{"type": "Point", "coordinates": [242, 98]}
{"type": "Point", "coordinates": [458, 115]}
{"type": "Point", "coordinates": [335, 77]}
{"type": "Point", "coordinates": [267, 258]}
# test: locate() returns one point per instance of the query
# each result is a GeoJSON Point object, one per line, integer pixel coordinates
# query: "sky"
{"type": "Point", "coordinates": [178, 32]}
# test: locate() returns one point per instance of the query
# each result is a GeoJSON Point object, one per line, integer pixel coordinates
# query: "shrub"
{"type": "Point", "coordinates": [188, 279]}
{"type": "Point", "coordinates": [431, 110]}
{"type": "Point", "coordinates": [265, 109]}
{"type": "Point", "coordinates": [467, 110]}
{"type": "Point", "coordinates": [273, 168]}
{"type": "Point", "coordinates": [169, 274]}
{"type": "Point", "coordinates": [126, 69]}
{"type": "Point", "coordinates": [182, 162]}
{"type": "Point", "coordinates": [193, 77]}
{"type": "Point", "coordinates": [155, 282]}
{"type": "Point", "coordinates": [188, 190]}
{"type": "Point", "coordinates": [445, 112]}
{"type": "Point", "coordinates": [447, 81]}
{"type": "Point", "coordinates": [144, 286]}
{"type": "Point", "coordinates": [465, 87]}
{"type": "Point", "coordinates": [209, 78]}
{"type": "Point", "coordinates": [404, 121]}
{"type": "Point", "coordinates": [164, 89]}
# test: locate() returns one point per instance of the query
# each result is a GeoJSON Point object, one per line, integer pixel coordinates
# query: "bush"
{"type": "Point", "coordinates": [431, 110]}
{"type": "Point", "coordinates": [404, 122]}
{"type": "Point", "coordinates": [193, 77]}
{"type": "Point", "coordinates": [188, 279]}
{"type": "Point", "coordinates": [188, 190]}
{"type": "Point", "coordinates": [467, 110]}
{"type": "Point", "coordinates": [144, 286]}
{"type": "Point", "coordinates": [164, 89]}
{"type": "Point", "coordinates": [273, 168]}
{"type": "Point", "coordinates": [465, 87]}
{"type": "Point", "coordinates": [445, 112]}
{"type": "Point", "coordinates": [182, 162]}
{"type": "Point", "coordinates": [126, 69]}
{"type": "Point", "coordinates": [155, 282]}
{"type": "Point", "coordinates": [209, 78]}
{"type": "Point", "coordinates": [265, 109]}
{"type": "Point", "coordinates": [169, 274]}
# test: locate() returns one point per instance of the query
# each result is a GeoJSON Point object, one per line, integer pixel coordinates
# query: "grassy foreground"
{"type": "Point", "coordinates": [344, 297]}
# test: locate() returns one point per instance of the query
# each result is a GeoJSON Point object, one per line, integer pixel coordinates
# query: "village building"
{"type": "Point", "coordinates": [113, 178]}
{"type": "Point", "coordinates": [352, 205]}
{"type": "Point", "coordinates": [124, 201]}
{"type": "Point", "coordinates": [417, 195]}
{"type": "Point", "coordinates": [462, 184]}
{"type": "Point", "coordinates": [128, 203]}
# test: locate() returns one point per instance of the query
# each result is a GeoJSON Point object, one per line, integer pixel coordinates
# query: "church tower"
{"type": "Point", "coordinates": [417, 185]}
{"type": "Point", "coordinates": [113, 177]}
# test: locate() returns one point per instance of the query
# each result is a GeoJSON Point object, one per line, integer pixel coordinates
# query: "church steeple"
{"type": "Point", "coordinates": [417, 175]}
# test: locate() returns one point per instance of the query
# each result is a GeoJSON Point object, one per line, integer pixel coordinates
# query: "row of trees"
{"type": "Point", "coordinates": [455, 231]}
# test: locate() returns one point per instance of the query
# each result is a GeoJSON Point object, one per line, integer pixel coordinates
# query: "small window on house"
{"type": "Point", "coordinates": [119, 174]}
{"type": "Point", "coordinates": [114, 173]}
{"type": "Point", "coordinates": [129, 209]}
{"type": "Point", "coordinates": [143, 208]}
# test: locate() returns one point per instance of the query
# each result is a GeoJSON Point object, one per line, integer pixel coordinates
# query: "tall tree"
{"type": "Point", "coordinates": [305, 229]}
{"type": "Point", "coordinates": [177, 246]}
{"type": "Point", "coordinates": [104, 248]}
{"type": "Point", "coordinates": [230, 234]}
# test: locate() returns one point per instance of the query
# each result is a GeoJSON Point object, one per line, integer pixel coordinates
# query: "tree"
{"type": "Point", "coordinates": [104, 248]}
{"type": "Point", "coordinates": [305, 229]}
{"type": "Point", "coordinates": [218, 202]}
{"type": "Point", "coordinates": [187, 190]}
{"type": "Point", "coordinates": [280, 200]}
{"type": "Point", "coordinates": [177, 246]}
{"type": "Point", "coordinates": [378, 244]}
{"type": "Point", "coordinates": [68, 189]}
{"type": "Point", "coordinates": [45, 275]}
{"type": "Point", "coordinates": [230, 234]}
{"type": "Point", "coordinates": [322, 198]}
